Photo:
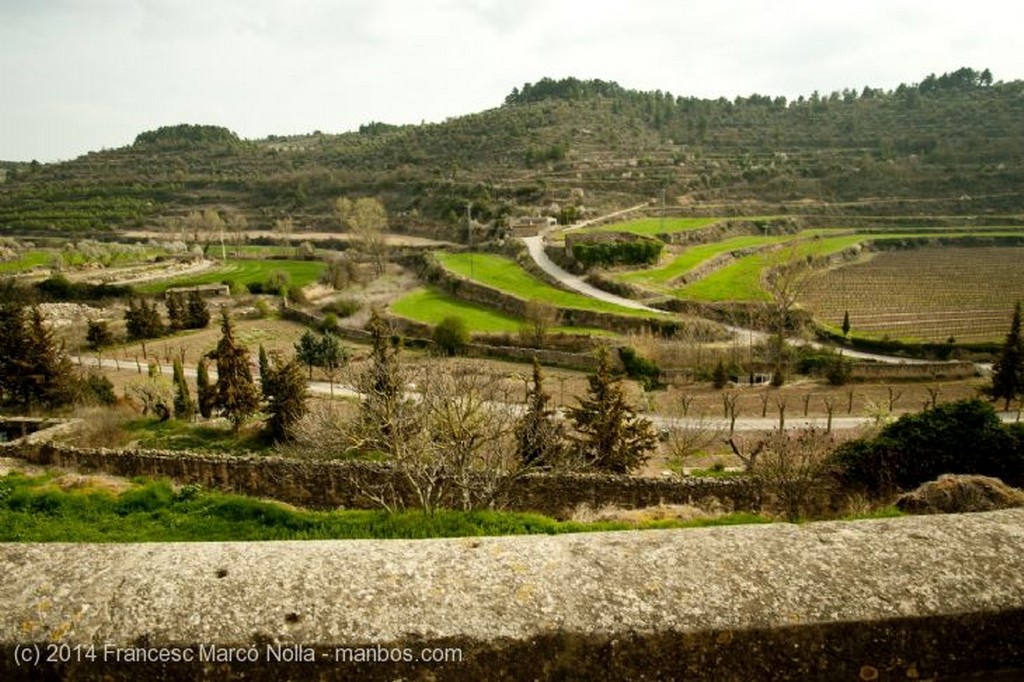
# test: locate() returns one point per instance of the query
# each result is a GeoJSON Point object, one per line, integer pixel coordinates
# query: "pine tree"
{"type": "Point", "coordinates": [540, 438]}
{"type": "Point", "coordinates": [286, 399]}
{"type": "Point", "coordinates": [98, 334]}
{"type": "Point", "coordinates": [12, 359]}
{"type": "Point", "coordinates": [846, 324]}
{"type": "Point", "coordinates": [237, 396]}
{"type": "Point", "coordinates": [719, 377]}
{"type": "Point", "coordinates": [611, 435]}
{"type": "Point", "coordinates": [307, 350]}
{"type": "Point", "coordinates": [47, 368]}
{"type": "Point", "coordinates": [1008, 370]}
{"type": "Point", "coordinates": [184, 406]}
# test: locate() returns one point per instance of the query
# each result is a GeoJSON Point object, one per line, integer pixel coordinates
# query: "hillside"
{"type": "Point", "coordinates": [952, 144]}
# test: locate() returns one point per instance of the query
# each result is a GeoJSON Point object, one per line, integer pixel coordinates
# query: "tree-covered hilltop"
{"type": "Point", "coordinates": [186, 135]}
{"type": "Point", "coordinates": [949, 145]}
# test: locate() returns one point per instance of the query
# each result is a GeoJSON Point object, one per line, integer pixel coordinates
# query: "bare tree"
{"type": "Point", "coordinates": [791, 467]}
{"type": "Point", "coordinates": [784, 281]}
{"type": "Point", "coordinates": [780, 406]}
{"type": "Point", "coordinates": [538, 318]}
{"type": "Point", "coordinates": [689, 436]}
{"type": "Point", "coordinates": [829, 401]}
{"type": "Point", "coordinates": [368, 220]}
{"type": "Point", "coordinates": [729, 409]}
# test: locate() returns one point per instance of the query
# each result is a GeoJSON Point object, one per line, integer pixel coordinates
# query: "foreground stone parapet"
{"type": "Point", "coordinates": [888, 599]}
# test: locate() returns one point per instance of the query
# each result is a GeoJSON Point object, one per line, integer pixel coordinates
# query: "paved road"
{"type": "Point", "coordinates": [535, 246]}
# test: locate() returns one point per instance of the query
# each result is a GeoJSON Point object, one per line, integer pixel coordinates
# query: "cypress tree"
{"type": "Point", "coordinates": [1008, 370]}
{"type": "Point", "coordinates": [286, 399]}
{"type": "Point", "coordinates": [205, 392]}
{"type": "Point", "coordinates": [237, 396]}
{"type": "Point", "coordinates": [540, 438]}
{"type": "Point", "coordinates": [184, 406]}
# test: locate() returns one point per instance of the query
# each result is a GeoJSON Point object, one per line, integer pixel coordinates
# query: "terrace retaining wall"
{"type": "Point", "coordinates": [333, 484]}
{"type": "Point", "coordinates": [937, 597]}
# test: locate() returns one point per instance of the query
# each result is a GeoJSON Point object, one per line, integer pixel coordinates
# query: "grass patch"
{"type": "Point", "coordinates": [181, 436]}
{"type": "Point", "coordinates": [34, 509]}
{"type": "Point", "coordinates": [245, 271]}
{"type": "Point", "coordinates": [506, 275]}
{"type": "Point", "coordinates": [27, 261]}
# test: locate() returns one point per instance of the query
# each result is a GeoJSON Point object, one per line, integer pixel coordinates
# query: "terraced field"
{"type": "Point", "coordinates": [431, 307]}
{"type": "Point", "coordinates": [652, 226]}
{"type": "Point", "coordinates": [504, 274]}
{"type": "Point", "coordinates": [741, 280]}
{"type": "Point", "coordinates": [244, 271]}
{"type": "Point", "coordinates": [925, 294]}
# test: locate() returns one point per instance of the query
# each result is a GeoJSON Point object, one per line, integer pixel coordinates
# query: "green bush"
{"type": "Point", "coordinates": [638, 252]}
{"type": "Point", "coordinates": [964, 437]}
{"type": "Point", "coordinates": [640, 368]}
{"type": "Point", "coordinates": [451, 336]}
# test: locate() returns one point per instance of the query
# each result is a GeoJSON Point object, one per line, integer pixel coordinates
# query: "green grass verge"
{"type": "Point", "coordinates": [35, 509]}
{"type": "Point", "coordinates": [504, 274]}
{"type": "Point", "coordinates": [245, 271]}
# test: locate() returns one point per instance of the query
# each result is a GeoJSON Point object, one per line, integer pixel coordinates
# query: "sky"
{"type": "Point", "coordinates": [85, 75]}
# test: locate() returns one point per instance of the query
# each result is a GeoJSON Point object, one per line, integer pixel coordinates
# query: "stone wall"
{"type": "Point", "coordinates": [332, 484]}
{"type": "Point", "coordinates": [937, 597]}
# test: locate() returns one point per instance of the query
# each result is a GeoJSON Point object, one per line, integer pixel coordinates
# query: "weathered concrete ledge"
{"type": "Point", "coordinates": [939, 596]}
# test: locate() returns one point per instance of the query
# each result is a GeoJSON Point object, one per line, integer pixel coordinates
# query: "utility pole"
{"type": "Point", "coordinates": [661, 229]}
{"type": "Point", "coordinates": [469, 238]}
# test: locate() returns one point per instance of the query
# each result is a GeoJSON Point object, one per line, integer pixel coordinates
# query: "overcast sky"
{"type": "Point", "coordinates": [81, 75]}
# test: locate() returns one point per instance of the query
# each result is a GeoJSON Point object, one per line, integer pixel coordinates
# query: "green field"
{"type": "Point", "coordinates": [504, 274]}
{"type": "Point", "coordinates": [27, 261]}
{"type": "Point", "coordinates": [741, 280]}
{"type": "Point", "coordinates": [653, 226]}
{"type": "Point", "coordinates": [245, 271]}
{"type": "Point", "coordinates": [431, 307]}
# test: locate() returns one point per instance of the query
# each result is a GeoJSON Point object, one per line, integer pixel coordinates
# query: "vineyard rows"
{"type": "Point", "coordinates": [927, 294]}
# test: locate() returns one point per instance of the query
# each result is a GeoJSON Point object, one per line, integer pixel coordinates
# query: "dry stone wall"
{"type": "Point", "coordinates": [332, 484]}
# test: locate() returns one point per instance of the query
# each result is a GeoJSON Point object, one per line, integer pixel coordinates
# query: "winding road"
{"type": "Point", "coordinates": [535, 246]}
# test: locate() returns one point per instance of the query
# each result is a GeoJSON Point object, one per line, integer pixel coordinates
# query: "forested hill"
{"type": "Point", "coordinates": [951, 144]}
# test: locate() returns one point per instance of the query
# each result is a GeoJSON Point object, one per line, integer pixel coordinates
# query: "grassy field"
{"type": "Point", "coordinates": [692, 257]}
{"type": "Point", "coordinates": [506, 275]}
{"type": "Point", "coordinates": [653, 226]}
{"type": "Point", "coordinates": [431, 307]}
{"type": "Point", "coordinates": [245, 271]}
{"type": "Point", "coordinates": [67, 509]}
{"type": "Point", "coordinates": [27, 261]}
{"type": "Point", "coordinates": [925, 294]}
